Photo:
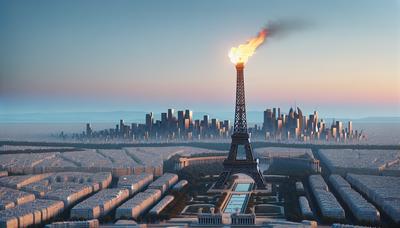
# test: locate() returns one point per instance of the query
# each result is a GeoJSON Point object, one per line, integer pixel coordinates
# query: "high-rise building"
{"type": "Point", "coordinates": [164, 121]}
{"type": "Point", "coordinates": [197, 124]}
{"type": "Point", "coordinates": [149, 120]}
{"type": "Point", "coordinates": [339, 128]}
{"type": "Point", "coordinates": [284, 119]}
{"type": "Point", "coordinates": [269, 120]}
{"type": "Point", "coordinates": [274, 113]}
{"type": "Point", "coordinates": [279, 125]}
{"type": "Point", "coordinates": [315, 118]}
{"type": "Point", "coordinates": [294, 125]}
{"type": "Point", "coordinates": [171, 113]}
{"type": "Point", "coordinates": [186, 124]}
{"type": "Point", "coordinates": [121, 127]}
{"type": "Point", "coordinates": [311, 126]}
{"type": "Point", "coordinates": [189, 115]}
{"type": "Point", "coordinates": [214, 124]}
{"type": "Point", "coordinates": [321, 126]}
{"type": "Point", "coordinates": [181, 119]}
{"type": "Point", "coordinates": [134, 126]}
{"type": "Point", "coordinates": [88, 130]}
{"type": "Point", "coordinates": [333, 132]}
{"type": "Point", "coordinates": [164, 118]}
{"type": "Point", "coordinates": [291, 121]}
{"type": "Point", "coordinates": [305, 122]}
{"type": "Point", "coordinates": [206, 121]}
{"type": "Point", "coordinates": [300, 118]}
{"type": "Point", "coordinates": [350, 128]}
{"type": "Point", "coordinates": [227, 125]}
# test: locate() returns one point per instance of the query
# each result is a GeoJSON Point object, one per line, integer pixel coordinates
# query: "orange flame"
{"type": "Point", "coordinates": [242, 53]}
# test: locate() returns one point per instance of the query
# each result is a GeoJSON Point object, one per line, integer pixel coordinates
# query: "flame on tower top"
{"type": "Point", "coordinates": [242, 53]}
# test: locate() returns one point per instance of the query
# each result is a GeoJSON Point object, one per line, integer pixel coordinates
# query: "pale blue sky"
{"type": "Point", "coordinates": [60, 56]}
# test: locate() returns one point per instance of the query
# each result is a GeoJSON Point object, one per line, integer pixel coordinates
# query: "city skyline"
{"type": "Point", "coordinates": [346, 65]}
{"type": "Point", "coordinates": [184, 125]}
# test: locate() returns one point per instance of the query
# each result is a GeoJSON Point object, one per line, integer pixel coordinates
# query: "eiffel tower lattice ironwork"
{"type": "Point", "coordinates": [240, 158]}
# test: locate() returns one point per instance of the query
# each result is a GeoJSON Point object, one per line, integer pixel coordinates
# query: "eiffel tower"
{"type": "Point", "coordinates": [240, 158]}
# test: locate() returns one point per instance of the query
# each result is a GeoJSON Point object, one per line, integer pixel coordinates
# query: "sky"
{"type": "Point", "coordinates": [341, 57]}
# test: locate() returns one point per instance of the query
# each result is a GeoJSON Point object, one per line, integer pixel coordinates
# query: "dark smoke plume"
{"type": "Point", "coordinates": [283, 27]}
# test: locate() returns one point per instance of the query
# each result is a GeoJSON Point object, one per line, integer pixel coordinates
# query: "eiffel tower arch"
{"type": "Point", "coordinates": [240, 158]}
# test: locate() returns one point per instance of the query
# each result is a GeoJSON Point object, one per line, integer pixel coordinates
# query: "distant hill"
{"type": "Point", "coordinates": [74, 117]}
{"type": "Point", "coordinates": [253, 117]}
{"type": "Point", "coordinates": [393, 119]}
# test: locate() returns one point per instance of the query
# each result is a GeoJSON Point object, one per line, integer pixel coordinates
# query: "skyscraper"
{"type": "Point", "coordinates": [350, 128]}
{"type": "Point", "coordinates": [300, 117]}
{"type": "Point", "coordinates": [149, 120]}
{"type": "Point", "coordinates": [227, 125]}
{"type": "Point", "coordinates": [181, 119]}
{"type": "Point", "coordinates": [339, 127]}
{"type": "Point", "coordinates": [186, 124]}
{"type": "Point", "coordinates": [121, 127]}
{"type": "Point", "coordinates": [269, 120]}
{"type": "Point", "coordinates": [206, 121]}
{"type": "Point", "coordinates": [171, 113]}
{"type": "Point", "coordinates": [164, 118]}
{"type": "Point", "coordinates": [274, 113]}
{"type": "Point", "coordinates": [189, 115]}
{"type": "Point", "coordinates": [164, 121]}
{"type": "Point", "coordinates": [214, 124]}
{"type": "Point", "coordinates": [88, 130]}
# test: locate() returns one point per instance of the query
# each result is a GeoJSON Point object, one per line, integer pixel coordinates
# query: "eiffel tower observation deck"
{"type": "Point", "coordinates": [240, 158]}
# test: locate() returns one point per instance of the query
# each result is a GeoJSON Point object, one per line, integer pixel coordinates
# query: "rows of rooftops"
{"type": "Point", "coordinates": [364, 211]}
{"type": "Point", "coordinates": [373, 173]}
{"type": "Point", "coordinates": [364, 196]}
{"type": "Point", "coordinates": [10, 198]}
{"type": "Point", "coordinates": [100, 203]}
{"type": "Point", "coordinates": [63, 179]}
{"type": "Point", "coordinates": [29, 148]}
{"type": "Point", "coordinates": [383, 191]}
{"type": "Point", "coordinates": [371, 162]}
{"type": "Point", "coordinates": [31, 213]}
{"type": "Point", "coordinates": [120, 162]}
{"type": "Point", "coordinates": [35, 199]}
{"type": "Point", "coordinates": [329, 206]}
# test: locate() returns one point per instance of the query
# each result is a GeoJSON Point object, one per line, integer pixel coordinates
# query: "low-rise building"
{"type": "Point", "coordinates": [327, 203]}
{"type": "Point", "coordinates": [135, 183]}
{"type": "Point", "coordinates": [99, 204]}
{"type": "Point", "coordinates": [139, 204]}
{"type": "Point", "coordinates": [243, 219]}
{"type": "Point", "coordinates": [162, 204]}
{"type": "Point", "coordinates": [31, 213]}
{"type": "Point", "coordinates": [93, 223]}
{"type": "Point", "coordinates": [209, 218]}
{"type": "Point", "coordinates": [164, 182]}
{"type": "Point", "coordinates": [10, 197]}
